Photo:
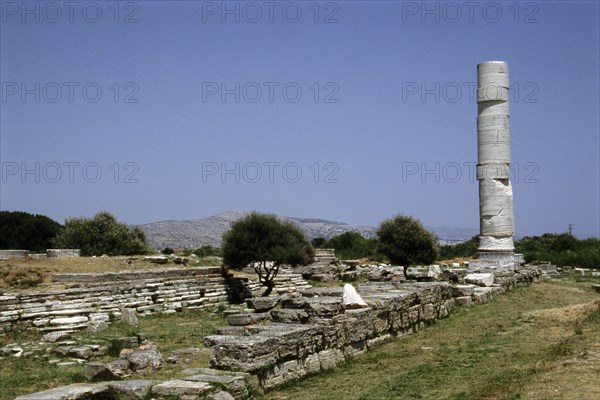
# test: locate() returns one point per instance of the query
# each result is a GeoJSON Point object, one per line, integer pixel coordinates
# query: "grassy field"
{"type": "Point", "coordinates": [541, 342]}
{"type": "Point", "coordinates": [19, 376]}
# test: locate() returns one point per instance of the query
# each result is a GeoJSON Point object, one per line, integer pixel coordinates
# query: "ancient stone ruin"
{"type": "Point", "coordinates": [298, 331]}
{"type": "Point", "coordinates": [91, 298]}
{"type": "Point", "coordinates": [300, 334]}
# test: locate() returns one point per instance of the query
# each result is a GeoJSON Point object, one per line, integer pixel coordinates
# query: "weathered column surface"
{"type": "Point", "coordinates": [496, 217]}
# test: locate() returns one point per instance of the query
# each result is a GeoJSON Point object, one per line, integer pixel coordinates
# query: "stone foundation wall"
{"type": "Point", "coordinates": [60, 253]}
{"type": "Point", "coordinates": [9, 254]}
{"type": "Point", "coordinates": [313, 331]}
{"type": "Point", "coordinates": [56, 253]}
{"type": "Point", "coordinates": [90, 298]}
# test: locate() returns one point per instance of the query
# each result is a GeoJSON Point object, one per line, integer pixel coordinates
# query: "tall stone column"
{"type": "Point", "coordinates": [496, 217]}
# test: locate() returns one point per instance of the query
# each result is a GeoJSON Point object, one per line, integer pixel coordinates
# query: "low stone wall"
{"type": "Point", "coordinates": [313, 331]}
{"type": "Point", "coordinates": [55, 253]}
{"type": "Point", "coordinates": [10, 254]}
{"type": "Point", "coordinates": [91, 298]}
{"type": "Point", "coordinates": [60, 253]}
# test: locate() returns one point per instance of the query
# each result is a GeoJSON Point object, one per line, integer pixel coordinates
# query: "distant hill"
{"type": "Point", "coordinates": [197, 232]}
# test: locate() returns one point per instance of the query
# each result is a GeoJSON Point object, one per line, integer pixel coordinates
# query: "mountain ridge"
{"type": "Point", "coordinates": [194, 233]}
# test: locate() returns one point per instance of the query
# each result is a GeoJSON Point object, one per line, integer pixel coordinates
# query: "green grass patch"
{"type": "Point", "coordinates": [170, 332]}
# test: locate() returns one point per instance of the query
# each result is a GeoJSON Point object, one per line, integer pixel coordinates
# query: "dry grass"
{"type": "Point", "coordinates": [29, 272]}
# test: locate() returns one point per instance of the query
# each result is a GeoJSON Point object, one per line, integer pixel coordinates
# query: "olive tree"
{"type": "Point", "coordinates": [405, 241]}
{"type": "Point", "coordinates": [265, 242]}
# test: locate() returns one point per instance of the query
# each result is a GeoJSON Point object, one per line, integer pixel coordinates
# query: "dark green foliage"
{"type": "Point", "coordinates": [318, 242]}
{"type": "Point", "coordinates": [464, 249]}
{"type": "Point", "coordinates": [259, 239]}
{"type": "Point", "coordinates": [207, 251]}
{"type": "Point", "coordinates": [23, 231]}
{"type": "Point", "coordinates": [167, 251]}
{"type": "Point", "coordinates": [352, 245]}
{"type": "Point", "coordinates": [102, 234]}
{"type": "Point", "coordinates": [560, 249]}
{"type": "Point", "coordinates": [405, 242]}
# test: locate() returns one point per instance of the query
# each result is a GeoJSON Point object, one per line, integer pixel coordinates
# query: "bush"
{"type": "Point", "coordinates": [167, 251]}
{"type": "Point", "coordinates": [405, 242]}
{"type": "Point", "coordinates": [352, 245]}
{"type": "Point", "coordinates": [265, 242]}
{"type": "Point", "coordinates": [207, 251]}
{"type": "Point", "coordinates": [102, 234]}
{"type": "Point", "coordinates": [560, 249]}
{"type": "Point", "coordinates": [464, 249]}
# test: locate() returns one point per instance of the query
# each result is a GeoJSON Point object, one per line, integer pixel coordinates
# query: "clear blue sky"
{"type": "Point", "coordinates": [386, 113]}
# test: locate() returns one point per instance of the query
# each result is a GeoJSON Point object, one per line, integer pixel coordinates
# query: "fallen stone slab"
{"type": "Point", "coordinates": [68, 321]}
{"type": "Point", "coordinates": [221, 396]}
{"type": "Point", "coordinates": [262, 304]}
{"type": "Point", "coordinates": [97, 371]}
{"type": "Point", "coordinates": [351, 298]}
{"type": "Point", "coordinates": [157, 259]}
{"type": "Point", "coordinates": [77, 391]}
{"type": "Point", "coordinates": [84, 352]}
{"type": "Point", "coordinates": [185, 390]}
{"type": "Point", "coordinates": [247, 318]}
{"type": "Point", "coordinates": [56, 336]}
{"type": "Point", "coordinates": [289, 315]}
{"type": "Point", "coordinates": [483, 279]}
{"type": "Point", "coordinates": [137, 389]}
{"type": "Point", "coordinates": [234, 384]}
{"type": "Point", "coordinates": [119, 367]}
{"type": "Point", "coordinates": [146, 356]}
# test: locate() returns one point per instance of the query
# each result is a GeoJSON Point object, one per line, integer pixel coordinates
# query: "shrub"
{"type": "Point", "coordinates": [102, 234]}
{"type": "Point", "coordinates": [265, 242]}
{"type": "Point", "coordinates": [405, 241]}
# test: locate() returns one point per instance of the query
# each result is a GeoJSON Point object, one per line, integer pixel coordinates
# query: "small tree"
{"type": "Point", "coordinates": [405, 241]}
{"type": "Point", "coordinates": [265, 242]}
{"type": "Point", "coordinates": [102, 234]}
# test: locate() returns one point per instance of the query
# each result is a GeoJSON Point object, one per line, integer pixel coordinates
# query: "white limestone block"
{"type": "Point", "coordinates": [351, 298]}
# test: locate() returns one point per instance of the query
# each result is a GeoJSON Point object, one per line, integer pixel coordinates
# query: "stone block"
{"type": "Point", "coordinates": [234, 384]}
{"type": "Point", "coordinates": [481, 279]}
{"type": "Point", "coordinates": [68, 321]}
{"type": "Point", "coordinates": [289, 316]}
{"type": "Point", "coordinates": [129, 317]}
{"type": "Point", "coordinates": [465, 301]}
{"type": "Point", "coordinates": [184, 390]}
{"type": "Point", "coordinates": [312, 365]}
{"type": "Point", "coordinates": [242, 353]}
{"type": "Point", "coordinates": [136, 389]}
{"type": "Point", "coordinates": [56, 336]}
{"type": "Point", "coordinates": [331, 358]}
{"type": "Point", "coordinates": [78, 391]}
{"type": "Point", "coordinates": [97, 371]}
{"type": "Point", "coordinates": [463, 290]}
{"type": "Point", "coordinates": [247, 318]}
{"type": "Point", "coordinates": [146, 356]}
{"type": "Point", "coordinates": [262, 304]}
